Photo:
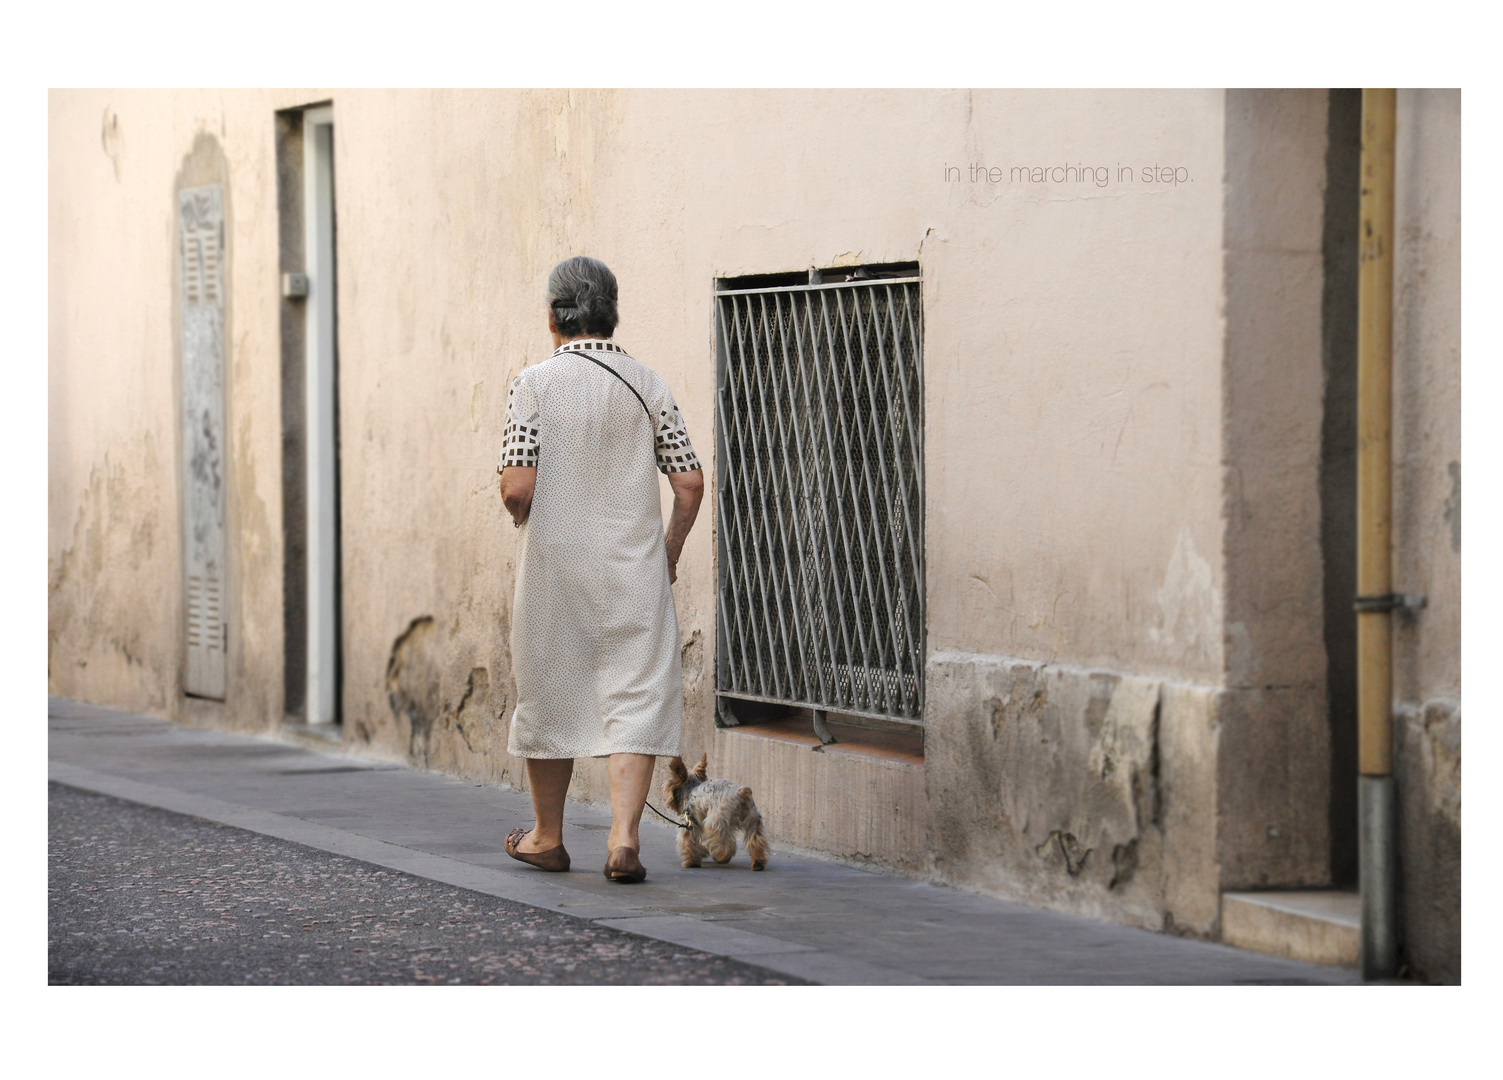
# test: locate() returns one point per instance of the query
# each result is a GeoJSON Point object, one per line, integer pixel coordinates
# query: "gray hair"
{"type": "Point", "coordinates": [582, 295]}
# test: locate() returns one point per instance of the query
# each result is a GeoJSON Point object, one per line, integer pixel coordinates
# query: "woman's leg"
{"type": "Point", "coordinates": [549, 780]}
{"type": "Point", "coordinates": [631, 776]}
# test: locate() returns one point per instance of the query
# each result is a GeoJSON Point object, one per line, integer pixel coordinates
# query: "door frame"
{"type": "Point", "coordinates": [321, 402]}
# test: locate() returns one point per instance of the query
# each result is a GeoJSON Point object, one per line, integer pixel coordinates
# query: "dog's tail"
{"type": "Point", "coordinates": [756, 840]}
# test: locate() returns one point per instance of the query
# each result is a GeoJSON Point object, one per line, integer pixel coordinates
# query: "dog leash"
{"type": "Point", "coordinates": [665, 817]}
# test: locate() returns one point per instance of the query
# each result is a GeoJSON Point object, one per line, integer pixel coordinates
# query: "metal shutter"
{"type": "Point", "coordinates": [201, 240]}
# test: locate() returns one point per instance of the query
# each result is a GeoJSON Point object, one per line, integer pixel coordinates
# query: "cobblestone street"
{"type": "Point", "coordinates": [139, 895]}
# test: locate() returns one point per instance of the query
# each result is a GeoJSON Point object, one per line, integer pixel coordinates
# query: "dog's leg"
{"type": "Point", "coordinates": [756, 840]}
{"type": "Point", "coordinates": [720, 832]}
{"type": "Point", "coordinates": [690, 850]}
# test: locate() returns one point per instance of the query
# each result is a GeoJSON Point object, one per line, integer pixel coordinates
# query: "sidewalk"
{"type": "Point", "coordinates": [805, 916]}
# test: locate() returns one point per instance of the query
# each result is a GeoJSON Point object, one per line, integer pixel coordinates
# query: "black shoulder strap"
{"type": "Point", "coordinates": [629, 386]}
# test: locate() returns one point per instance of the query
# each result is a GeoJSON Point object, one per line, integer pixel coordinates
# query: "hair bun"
{"type": "Point", "coordinates": [582, 295]}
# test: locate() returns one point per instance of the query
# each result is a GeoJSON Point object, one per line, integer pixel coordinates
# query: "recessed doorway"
{"type": "Point", "coordinates": [310, 416]}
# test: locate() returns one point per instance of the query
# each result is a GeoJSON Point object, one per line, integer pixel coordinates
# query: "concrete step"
{"type": "Point", "coordinates": [1317, 927]}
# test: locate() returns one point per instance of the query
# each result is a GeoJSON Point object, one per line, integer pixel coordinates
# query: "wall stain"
{"type": "Point", "coordinates": [412, 684]}
{"type": "Point", "coordinates": [689, 649]}
{"type": "Point", "coordinates": [1453, 506]}
{"type": "Point", "coordinates": [1124, 863]}
{"type": "Point", "coordinates": [1147, 798]}
{"type": "Point", "coordinates": [477, 690]}
{"type": "Point", "coordinates": [112, 139]}
{"type": "Point", "coordinates": [1069, 849]}
{"type": "Point", "coordinates": [1103, 686]}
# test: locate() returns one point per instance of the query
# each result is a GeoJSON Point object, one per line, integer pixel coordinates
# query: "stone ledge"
{"type": "Point", "coordinates": [1322, 927]}
{"type": "Point", "coordinates": [906, 748]}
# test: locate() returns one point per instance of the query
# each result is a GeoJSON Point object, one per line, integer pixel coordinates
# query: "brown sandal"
{"type": "Point", "coordinates": [624, 866]}
{"type": "Point", "coordinates": [555, 860]}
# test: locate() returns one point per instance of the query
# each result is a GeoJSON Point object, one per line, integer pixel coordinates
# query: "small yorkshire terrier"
{"type": "Point", "coordinates": [715, 810]}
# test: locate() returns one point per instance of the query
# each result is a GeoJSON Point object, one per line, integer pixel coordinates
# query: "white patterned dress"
{"type": "Point", "coordinates": [594, 635]}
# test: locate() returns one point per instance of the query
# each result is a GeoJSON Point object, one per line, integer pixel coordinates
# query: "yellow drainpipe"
{"type": "Point", "coordinates": [1375, 599]}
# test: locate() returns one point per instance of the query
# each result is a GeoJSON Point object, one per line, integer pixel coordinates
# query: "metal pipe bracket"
{"type": "Point", "coordinates": [1390, 602]}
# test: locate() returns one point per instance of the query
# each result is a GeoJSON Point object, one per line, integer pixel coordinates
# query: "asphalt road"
{"type": "Point", "coordinates": [138, 895]}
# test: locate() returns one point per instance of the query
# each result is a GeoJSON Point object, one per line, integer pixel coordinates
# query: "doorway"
{"type": "Point", "coordinates": [310, 416]}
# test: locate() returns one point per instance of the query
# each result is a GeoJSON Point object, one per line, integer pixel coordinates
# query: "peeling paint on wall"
{"type": "Point", "coordinates": [1452, 510]}
{"type": "Point", "coordinates": [112, 139]}
{"type": "Point", "coordinates": [412, 684]}
{"type": "Point", "coordinates": [1427, 768]}
{"type": "Point", "coordinates": [1049, 783]}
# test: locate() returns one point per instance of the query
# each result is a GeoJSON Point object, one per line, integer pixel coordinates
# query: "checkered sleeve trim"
{"type": "Point", "coordinates": [675, 453]}
{"type": "Point", "coordinates": [519, 441]}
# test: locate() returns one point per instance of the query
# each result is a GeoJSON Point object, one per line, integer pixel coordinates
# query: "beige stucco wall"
{"type": "Point", "coordinates": [1427, 523]}
{"type": "Point", "coordinates": [1141, 797]}
{"type": "Point", "coordinates": [1274, 734]}
{"type": "Point", "coordinates": [1073, 341]}
{"type": "Point", "coordinates": [1072, 351]}
{"type": "Point", "coordinates": [1427, 391]}
{"type": "Point", "coordinates": [115, 628]}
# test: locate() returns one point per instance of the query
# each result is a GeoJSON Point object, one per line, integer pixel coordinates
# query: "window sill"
{"type": "Point", "coordinates": [900, 746]}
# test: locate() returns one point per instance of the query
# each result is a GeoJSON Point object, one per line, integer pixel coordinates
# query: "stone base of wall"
{"type": "Point", "coordinates": [1084, 791]}
{"type": "Point", "coordinates": [1273, 787]}
{"type": "Point", "coordinates": [1427, 771]}
{"type": "Point", "coordinates": [842, 800]}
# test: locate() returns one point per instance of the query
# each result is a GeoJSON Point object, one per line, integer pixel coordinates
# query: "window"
{"type": "Point", "coordinates": [820, 491]}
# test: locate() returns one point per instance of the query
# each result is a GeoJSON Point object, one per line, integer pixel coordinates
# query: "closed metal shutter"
{"type": "Point", "coordinates": [201, 240]}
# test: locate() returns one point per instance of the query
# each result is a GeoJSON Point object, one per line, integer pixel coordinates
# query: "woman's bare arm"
{"type": "Point", "coordinates": [517, 482]}
{"type": "Point", "coordinates": [688, 489]}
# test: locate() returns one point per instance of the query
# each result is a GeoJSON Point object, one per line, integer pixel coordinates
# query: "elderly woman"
{"type": "Point", "coordinates": [594, 636]}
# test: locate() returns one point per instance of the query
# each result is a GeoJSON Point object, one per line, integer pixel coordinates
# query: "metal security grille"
{"type": "Point", "coordinates": [820, 495]}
